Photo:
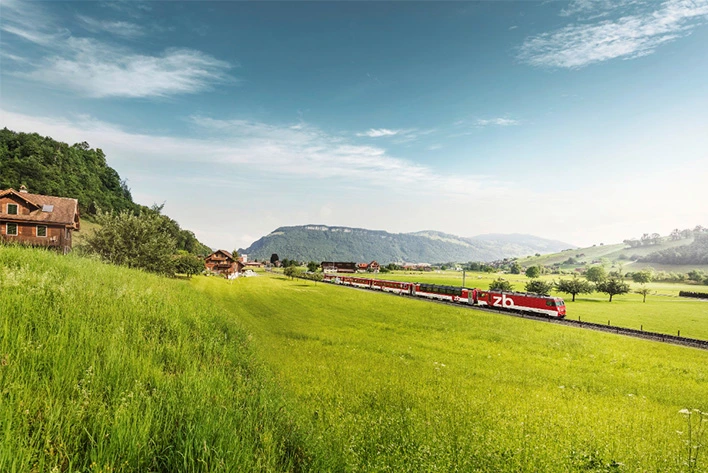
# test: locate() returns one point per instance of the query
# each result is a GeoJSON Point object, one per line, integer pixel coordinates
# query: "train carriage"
{"type": "Point", "coordinates": [397, 287]}
{"type": "Point", "coordinates": [445, 293]}
{"type": "Point", "coordinates": [527, 302]}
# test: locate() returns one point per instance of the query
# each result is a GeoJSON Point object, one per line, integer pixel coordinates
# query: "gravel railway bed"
{"type": "Point", "coordinates": [630, 332]}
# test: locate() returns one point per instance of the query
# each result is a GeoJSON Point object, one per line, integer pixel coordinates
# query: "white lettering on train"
{"type": "Point", "coordinates": [502, 301]}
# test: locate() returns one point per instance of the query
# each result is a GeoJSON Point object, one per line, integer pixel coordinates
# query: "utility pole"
{"type": "Point", "coordinates": [463, 278]}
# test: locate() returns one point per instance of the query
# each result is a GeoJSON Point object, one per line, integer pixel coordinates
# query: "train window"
{"type": "Point", "coordinates": [550, 303]}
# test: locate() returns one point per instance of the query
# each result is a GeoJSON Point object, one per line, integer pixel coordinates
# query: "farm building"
{"type": "Point", "coordinates": [338, 267]}
{"type": "Point", "coordinates": [222, 262]}
{"type": "Point", "coordinates": [38, 220]}
{"type": "Point", "coordinates": [372, 267]}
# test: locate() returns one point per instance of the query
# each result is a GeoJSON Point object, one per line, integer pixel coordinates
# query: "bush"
{"type": "Point", "coordinates": [539, 287]}
{"type": "Point", "coordinates": [501, 285]}
{"type": "Point", "coordinates": [135, 241]}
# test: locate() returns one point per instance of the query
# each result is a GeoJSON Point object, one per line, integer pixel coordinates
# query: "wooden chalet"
{"type": "Point", "coordinates": [222, 262]}
{"type": "Point", "coordinates": [338, 267]}
{"type": "Point", "coordinates": [374, 267]}
{"type": "Point", "coordinates": [38, 220]}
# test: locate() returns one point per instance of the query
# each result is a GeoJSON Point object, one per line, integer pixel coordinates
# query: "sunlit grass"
{"type": "Point", "coordinates": [396, 384]}
{"type": "Point", "coordinates": [109, 369]}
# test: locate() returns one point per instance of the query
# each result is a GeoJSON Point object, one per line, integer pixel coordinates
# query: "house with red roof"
{"type": "Point", "coordinates": [38, 220]}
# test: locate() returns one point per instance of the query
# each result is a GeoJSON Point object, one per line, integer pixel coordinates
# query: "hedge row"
{"type": "Point", "coordinates": [698, 295]}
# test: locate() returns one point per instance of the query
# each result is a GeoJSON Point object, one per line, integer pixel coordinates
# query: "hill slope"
{"type": "Point", "coordinates": [666, 255]}
{"type": "Point", "coordinates": [320, 242]}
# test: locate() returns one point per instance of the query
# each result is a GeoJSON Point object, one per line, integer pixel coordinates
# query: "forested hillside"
{"type": "Point", "coordinates": [695, 253]}
{"type": "Point", "coordinates": [320, 242]}
{"type": "Point", "coordinates": [47, 166]}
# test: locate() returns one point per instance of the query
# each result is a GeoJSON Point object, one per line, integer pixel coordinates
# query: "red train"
{"type": "Point", "coordinates": [520, 301]}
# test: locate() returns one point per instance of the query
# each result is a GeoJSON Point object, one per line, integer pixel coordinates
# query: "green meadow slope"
{"type": "Point", "coordinates": [396, 384]}
{"type": "Point", "coordinates": [114, 370]}
{"type": "Point", "coordinates": [618, 254]}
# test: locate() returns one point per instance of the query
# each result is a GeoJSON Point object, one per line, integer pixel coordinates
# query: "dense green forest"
{"type": "Point", "coordinates": [47, 166]}
{"type": "Point", "coordinates": [695, 253]}
{"type": "Point", "coordinates": [323, 243]}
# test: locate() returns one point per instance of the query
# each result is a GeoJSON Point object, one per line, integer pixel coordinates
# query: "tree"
{"type": "Point", "coordinates": [613, 286]}
{"type": "Point", "coordinates": [291, 272]}
{"type": "Point", "coordinates": [274, 258]}
{"type": "Point", "coordinates": [696, 275]}
{"type": "Point", "coordinates": [539, 287]}
{"type": "Point", "coordinates": [136, 241]}
{"type": "Point", "coordinates": [515, 268]}
{"type": "Point", "coordinates": [642, 277]}
{"type": "Point", "coordinates": [574, 286]}
{"type": "Point", "coordinates": [188, 264]}
{"type": "Point", "coordinates": [596, 274]}
{"type": "Point", "coordinates": [312, 266]}
{"type": "Point", "coordinates": [643, 291]}
{"type": "Point", "coordinates": [533, 271]}
{"type": "Point", "coordinates": [500, 285]}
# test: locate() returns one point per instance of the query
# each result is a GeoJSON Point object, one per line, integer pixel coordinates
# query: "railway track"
{"type": "Point", "coordinates": [630, 332]}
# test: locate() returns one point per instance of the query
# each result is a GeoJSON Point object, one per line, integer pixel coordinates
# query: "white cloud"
{"type": "Point", "coordinates": [249, 147]}
{"type": "Point", "coordinates": [118, 28]}
{"type": "Point", "coordinates": [95, 69]}
{"type": "Point", "coordinates": [379, 132]}
{"type": "Point", "coordinates": [631, 36]}
{"type": "Point", "coordinates": [496, 121]}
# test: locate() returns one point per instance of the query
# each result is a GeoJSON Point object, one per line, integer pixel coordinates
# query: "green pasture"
{"type": "Point", "coordinates": [390, 383]}
{"type": "Point", "coordinates": [105, 369]}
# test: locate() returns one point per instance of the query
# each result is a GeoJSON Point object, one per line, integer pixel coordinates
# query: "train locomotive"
{"type": "Point", "coordinates": [512, 301]}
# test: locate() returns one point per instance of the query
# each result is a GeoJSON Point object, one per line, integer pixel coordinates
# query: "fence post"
{"type": "Point", "coordinates": [679, 333]}
{"type": "Point", "coordinates": [608, 323]}
{"type": "Point", "coordinates": [641, 328]}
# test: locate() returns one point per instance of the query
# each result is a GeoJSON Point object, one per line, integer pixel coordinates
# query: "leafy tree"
{"type": "Point", "coordinates": [274, 258]}
{"type": "Point", "coordinates": [291, 272]}
{"type": "Point", "coordinates": [696, 275]}
{"type": "Point", "coordinates": [515, 268]}
{"type": "Point", "coordinates": [596, 274]}
{"type": "Point", "coordinates": [643, 291]}
{"type": "Point", "coordinates": [188, 264]}
{"type": "Point", "coordinates": [574, 286]}
{"type": "Point", "coordinates": [539, 287]}
{"type": "Point", "coordinates": [642, 277]}
{"type": "Point", "coordinates": [533, 271]}
{"type": "Point", "coordinates": [501, 285]}
{"type": "Point", "coordinates": [613, 286]}
{"type": "Point", "coordinates": [136, 241]}
{"type": "Point", "coordinates": [312, 266]}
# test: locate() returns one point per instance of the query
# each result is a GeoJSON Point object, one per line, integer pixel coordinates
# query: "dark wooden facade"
{"type": "Point", "coordinates": [222, 262]}
{"type": "Point", "coordinates": [339, 266]}
{"type": "Point", "coordinates": [38, 220]}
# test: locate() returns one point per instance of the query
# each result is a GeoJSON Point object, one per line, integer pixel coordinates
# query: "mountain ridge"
{"type": "Point", "coordinates": [323, 242]}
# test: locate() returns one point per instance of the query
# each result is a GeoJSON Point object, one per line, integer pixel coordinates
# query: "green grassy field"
{"type": "Point", "coordinates": [105, 369]}
{"type": "Point", "coordinates": [397, 384]}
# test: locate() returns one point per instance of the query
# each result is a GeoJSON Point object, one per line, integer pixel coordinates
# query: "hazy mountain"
{"type": "Point", "coordinates": [321, 242]}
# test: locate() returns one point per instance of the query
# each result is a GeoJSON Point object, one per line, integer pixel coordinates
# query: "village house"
{"type": "Point", "coordinates": [372, 267]}
{"type": "Point", "coordinates": [38, 220]}
{"type": "Point", "coordinates": [338, 267]}
{"type": "Point", "coordinates": [222, 262]}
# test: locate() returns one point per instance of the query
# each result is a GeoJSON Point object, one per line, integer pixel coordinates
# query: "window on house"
{"type": "Point", "coordinates": [11, 229]}
{"type": "Point", "coordinates": [12, 209]}
{"type": "Point", "coordinates": [41, 230]}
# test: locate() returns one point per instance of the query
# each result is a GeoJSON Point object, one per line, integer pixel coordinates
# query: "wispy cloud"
{"type": "Point", "coordinates": [124, 29]}
{"type": "Point", "coordinates": [629, 37]}
{"type": "Point", "coordinates": [95, 69]}
{"type": "Point", "coordinates": [379, 132]}
{"type": "Point", "coordinates": [98, 69]}
{"type": "Point", "coordinates": [496, 122]}
{"type": "Point", "coordinates": [273, 151]}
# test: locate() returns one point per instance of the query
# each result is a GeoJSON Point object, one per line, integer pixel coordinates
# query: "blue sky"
{"type": "Point", "coordinates": [584, 120]}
